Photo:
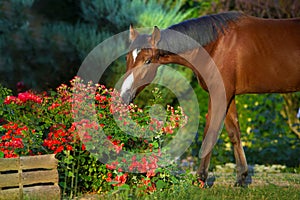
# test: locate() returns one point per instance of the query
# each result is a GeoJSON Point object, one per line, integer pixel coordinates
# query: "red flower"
{"type": "Point", "coordinates": [108, 179]}
{"type": "Point", "coordinates": [100, 98]}
{"type": "Point", "coordinates": [69, 147]}
{"type": "Point", "coordinates": [12, 140]}
{"type": "Point", "coordinates": [27, 96]}
{"type": "Point", "coordinates": [150, 186]}
{"type": "Point", "coordinates": [20, 86]}
{"type": "Point", "coordinates": [5, 137]}
{"type": "Point", "coordinates": [150, 173]}
{"type": "Point", "coordinates": [118, 148]}
{"type": "Point", "coordinates": [111, 167]}
{"type": "Point", "coordinates": [59, 149]}
{"type": "Point", "coordinates": [109, 137]}
{"type": "Point", "coordinates": [53, 106]}
{"type": "Point", "coordinates": [59, 137]}
{"type": "Point", "coordinates": [10, 99]}
{"type": "Point", "coordinates": [120, 180]}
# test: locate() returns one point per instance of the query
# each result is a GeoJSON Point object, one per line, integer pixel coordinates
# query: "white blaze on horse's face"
{"type": "Point", "coordinates": [127, 84]}
{"type": "Point", "coordinates": [135, 53]}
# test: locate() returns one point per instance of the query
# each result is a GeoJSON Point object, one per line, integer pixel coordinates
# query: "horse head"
{"type": "Point", "coordinates": [142, 62]}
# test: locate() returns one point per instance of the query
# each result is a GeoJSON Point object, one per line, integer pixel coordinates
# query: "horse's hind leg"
{"type": "Point", "coordinates": [233, 130]}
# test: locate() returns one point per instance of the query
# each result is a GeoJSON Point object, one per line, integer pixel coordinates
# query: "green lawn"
{"type": "Point", "coordinates": [264, 186]}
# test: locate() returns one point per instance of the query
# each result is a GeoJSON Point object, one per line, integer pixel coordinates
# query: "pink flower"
{"type": "Point", "coordinates": [117, 147]}
{"type": "Point", "coordinates": [168, 129]}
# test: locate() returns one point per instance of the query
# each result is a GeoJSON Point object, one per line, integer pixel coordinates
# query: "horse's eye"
{"type": "Point", "coordinates": [148, 61]}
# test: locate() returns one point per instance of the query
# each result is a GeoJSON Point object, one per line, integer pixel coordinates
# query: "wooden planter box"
{"type": "Point", "coordinates": [29, 177]}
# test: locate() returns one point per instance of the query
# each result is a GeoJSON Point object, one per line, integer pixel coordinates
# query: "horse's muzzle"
{"type": "Point", "coordinates": [127, 97]}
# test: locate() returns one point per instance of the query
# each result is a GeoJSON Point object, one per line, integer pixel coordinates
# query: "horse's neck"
{"type": "Point", "coordinates": [198, 60]}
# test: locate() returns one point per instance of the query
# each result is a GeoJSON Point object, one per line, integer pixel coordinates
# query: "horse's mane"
{"type": "Point", "coordinates": [203, 31]}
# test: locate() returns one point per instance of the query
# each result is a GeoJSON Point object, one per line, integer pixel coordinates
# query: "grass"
{"type": "Point", "coordinates": [263, 186]}
{"type": "Point", "coordinates": [217, 192]}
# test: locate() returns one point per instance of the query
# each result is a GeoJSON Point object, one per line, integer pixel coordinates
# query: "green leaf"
{"type": "Point", "coordinates": [70, 174]}
{"type": "Point", "coordinates": [124, 187]}
{"type": "Point", "coordinates": [155, 145]}
{"type": "Point", "coordinates": [160, 184]}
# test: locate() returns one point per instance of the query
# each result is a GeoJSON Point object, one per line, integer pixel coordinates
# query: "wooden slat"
{"type": "Point", "coordinates": [9, 164]}
{"type": "Point", "coordinates": [45, 176]}
{"type": "Point", "coordinates": [20, 183]}
{"type": "Point", "coordinates": [50, 192]}
{"type": "Point", "coordinates": [43, 161]}
{"type": "Point", "coordinates": [9, 180]}
{"type": "Point", "coordinates": [41, 169]}
{"type": "Point", "coordinates": [11, 194]}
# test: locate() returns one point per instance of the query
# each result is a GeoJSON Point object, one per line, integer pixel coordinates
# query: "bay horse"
{"type": "Point", "coordinates": [252, 55]}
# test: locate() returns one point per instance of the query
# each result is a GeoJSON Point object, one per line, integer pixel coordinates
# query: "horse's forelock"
{"type": "Point", "coordinates": [141, 42]}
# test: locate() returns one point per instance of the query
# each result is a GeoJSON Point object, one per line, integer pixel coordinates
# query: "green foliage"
{"type": "Point", "coordinates": [267, 137]}
{"type": "Point", "coordinates": [119, 14]}
{"type": "Point", "coordinates": [81, 38]}
{"type": "Point", "coordinates": [40, 54]}
{"type": "Point", "coordinates": [200, 8]}
{"type": "Point", "coordinates": [4, 92]}
{"type": "Point", "coordinates": [43, 52]}
{"type": "Point", "coordinates": [162, 15]}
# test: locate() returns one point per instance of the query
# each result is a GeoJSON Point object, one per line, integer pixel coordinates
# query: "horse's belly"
{"type": "Point", "coordinates": [269, 78]}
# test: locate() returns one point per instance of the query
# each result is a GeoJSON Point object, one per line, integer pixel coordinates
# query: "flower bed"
{"type": "Point", "coordinates": [89, 129]}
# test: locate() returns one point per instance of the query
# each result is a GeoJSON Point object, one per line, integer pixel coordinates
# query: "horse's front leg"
{"type": "Point", "coordinates": [233, 130]}
{"type": "Point", "coordinates": [217, 108]}
{"type": "Point", "coordinates": [202, 171]}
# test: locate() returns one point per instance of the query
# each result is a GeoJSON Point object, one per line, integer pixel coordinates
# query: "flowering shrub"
{"type": "Point", "coordinates": [12, 140]}
{"type": "Point", "coordinates": [92, 132]}
{"type": "Point", "coordinates": [23, 98]}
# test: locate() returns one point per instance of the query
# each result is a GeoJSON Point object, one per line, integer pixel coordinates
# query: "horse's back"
{"type": "Point", "coordinates": [264, 55]}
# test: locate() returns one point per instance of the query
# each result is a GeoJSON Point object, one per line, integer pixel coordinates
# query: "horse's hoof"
{"type": "Point", "coordinates": [241, 184]}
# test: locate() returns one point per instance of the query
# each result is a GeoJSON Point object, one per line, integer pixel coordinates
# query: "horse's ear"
{"type": "Point", "coordinates": [155, 38]}
{"type": "Point", "coordinates": [132, 33]}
